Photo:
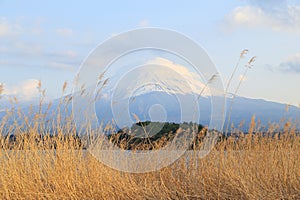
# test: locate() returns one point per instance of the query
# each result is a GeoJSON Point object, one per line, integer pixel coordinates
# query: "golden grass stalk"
{"type": "Point", "coordinates": [247, 67]}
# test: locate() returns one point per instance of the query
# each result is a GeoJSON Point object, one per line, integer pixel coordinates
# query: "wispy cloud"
{"type": "Point", "coordinates": [17, 48]}
{"type": "Point", "coordinates": [9, 29]}
{"type": "Point", "coordinates": [64, 32]}
{"type": "Point", "coordinates": [66, 60]}
{"type": "Point", "coordinates": [28, 48]}
{"type": "Point", "coordinates": [60, 65]}
{"type": "Point", "coordinates": [20, 48]}
{"type": "Point", "coordinates": [178, 75]}
{"type": "Point", "coordinates": [291, 64]}
{"type": "Point", "coordinates": [274, 14]}
{"type": "Point", "coordinates": [4, 28]}
{"type": "Point", "coordinates": [158, 74]}
{"type": "Point", "coordinates": [144, 23]}
{"type": "Point", "coordinates": [18, 51]}
{"type": "Point", "coordinates": [26, 90]}
{"type": "Point", "coordinates": [62, 56]}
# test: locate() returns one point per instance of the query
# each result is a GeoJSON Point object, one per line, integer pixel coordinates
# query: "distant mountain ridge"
{"type": "Point", "coordinates": [243, 109]}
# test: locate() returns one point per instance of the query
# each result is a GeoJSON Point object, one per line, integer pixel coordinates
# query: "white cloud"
{"type": "Point", "coordinates": [179, 76]}
{"type": "Point", "coordinates": [144, 23]}
{"type": "Point", "coordinates": [276, 15]}
{"type": "Point", "coordinates": [65, 32]}
{"type": "Point", "coordinates": [66, 55]}
{"type": "Point", "coordinates": [9, 29]}
{"type": "Point", "coordinates": [26, 90]}
{"type": "Point", "coordinates": [159, 74]}
{"type": "Point", "coordinates": [4, 29]}
{"type": "Point", "coordinates": [61, 65]}
{"type": "Point", "coordinates": [291, 63]}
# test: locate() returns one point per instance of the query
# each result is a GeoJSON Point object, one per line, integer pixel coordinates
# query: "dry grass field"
{"type": "Point", "coordinates": [252, 167]}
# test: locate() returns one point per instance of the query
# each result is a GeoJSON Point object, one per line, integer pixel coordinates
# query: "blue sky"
{"type": "Point", "coordinates": [48, 41]}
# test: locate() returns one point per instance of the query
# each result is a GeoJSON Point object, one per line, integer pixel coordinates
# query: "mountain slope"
{"type": "Point", "coordinates": [159, 106]}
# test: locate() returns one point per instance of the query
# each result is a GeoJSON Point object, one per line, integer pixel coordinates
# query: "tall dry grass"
{"type": "Point", "coordinates": [36, 165]}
